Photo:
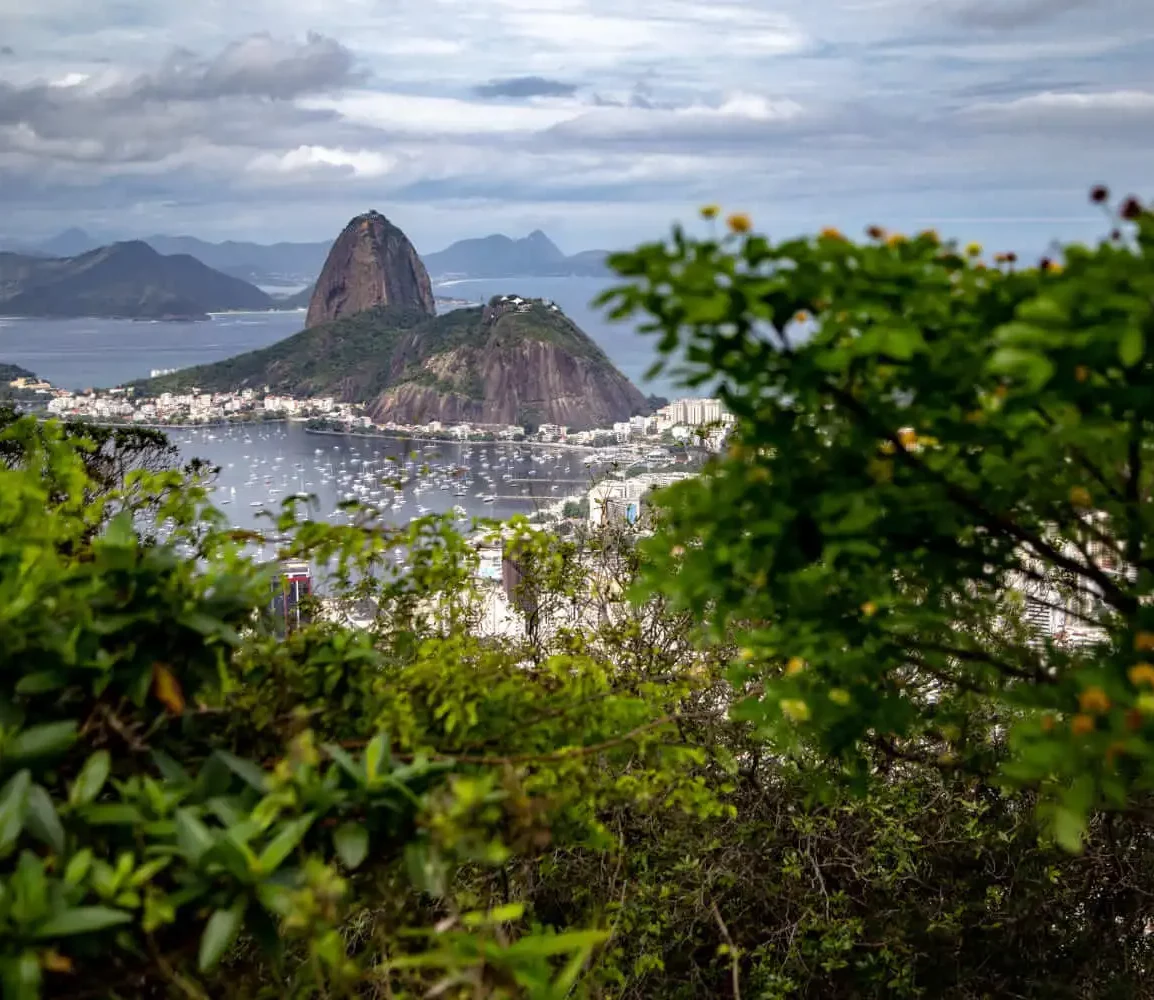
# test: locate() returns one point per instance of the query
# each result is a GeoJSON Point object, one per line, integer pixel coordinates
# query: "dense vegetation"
{"type": "Point", "coordinates": [9, 373]}
{"type": "Point", "coordinates": [349, 357]}
{"type": "Point", "coordinates": [799, 742]}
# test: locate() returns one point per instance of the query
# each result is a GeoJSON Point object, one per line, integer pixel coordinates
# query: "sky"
{"type": "Point", "coordinates": [599, 121]}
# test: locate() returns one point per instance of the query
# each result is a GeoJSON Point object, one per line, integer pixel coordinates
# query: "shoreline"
{"type": "Point", "coordinates": [171, 427]}
{"type": "Point", "coordinates": [403, 436]}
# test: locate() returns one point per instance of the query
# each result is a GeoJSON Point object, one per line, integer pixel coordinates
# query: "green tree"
{"type": "Point", "coordinates": [930, 446]}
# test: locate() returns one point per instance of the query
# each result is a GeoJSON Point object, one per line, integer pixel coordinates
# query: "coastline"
{"type": "Point", "coordinates": [172, 427]}
{"type": "Point", "coordinates": [400, 436]}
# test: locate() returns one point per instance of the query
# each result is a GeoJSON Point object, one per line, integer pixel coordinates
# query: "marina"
{"type": "Point", "coordinates": [263, 464]}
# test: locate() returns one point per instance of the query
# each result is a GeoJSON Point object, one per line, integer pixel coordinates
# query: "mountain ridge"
{"type": "Point", "coordinates": [128, 280]}
{"type": "Point", "coordinates": [290, 263]}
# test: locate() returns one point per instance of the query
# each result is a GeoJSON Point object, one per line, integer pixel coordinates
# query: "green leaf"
{"type": "Point", "coordinates": [250, 773]}
{"type": "Point", "coordinates": [1032, 367]}
{"type": "Point", "coordinates": [111, 814]}
{"type": "Point", "coordinates": [192, 836]}
{"type": "Point", "coordinates": [219, 933]}
{"type": "Point", "coordinates": [346, 762]}
{"type": "Point", "coordinates": [41, 741]}
{"type": "Point", "coordinates": [545, 945]}
{"type": "Point", "coordinates": [1131, 346]}
{"type": "Point", "coordinates": [13, 808]}
{"type": "Point", "coordinates": [351, 841]}
{"type": "Point", "coordinates": [42, 821]}
{"type": "Point", "coordinates": [1069, 828]}
{"type": "Point", "coordinates": [91, 779]}
{"type": "Point", "coordinates": [376, 754]}
{"type": "Point", "coordinates": [82, 920]}
{"type": "Point", "coordinates": [40, 682]}
{"type": "Point", "coordinates": [169, 769]}
{"type": "Point", "coordinates": [20, 976]}
{"type": "Point", "coordinates": [78, 866]}
{"type": "Point", "coordinates": [282, 845]}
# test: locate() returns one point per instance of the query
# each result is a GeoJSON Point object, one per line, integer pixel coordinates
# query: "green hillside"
{"type": "Point", "coordinates": [9, 373]}
{"type": "Point", "coordinates": [349, 357]}
{"type": "Point", "coordinates": [358, 357]}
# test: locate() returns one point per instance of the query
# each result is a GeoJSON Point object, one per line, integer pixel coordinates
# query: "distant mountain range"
{"type": "Point", "coordinates": [129, 280]}
{"type": "Point", "coordinates": [501, 257]}
{"type": "Point", "coordinates": [292, 264]}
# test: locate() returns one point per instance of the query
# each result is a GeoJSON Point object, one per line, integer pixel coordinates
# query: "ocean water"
{"type": "Point", "coordinates": [261, 464]}
{"type": "Point", "coordinates": [85, 353]}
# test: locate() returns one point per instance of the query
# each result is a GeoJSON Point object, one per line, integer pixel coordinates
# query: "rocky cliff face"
{"type": "Point", "coordinates": [372, 263]}
{"type": "Point", "coordinates": [517, 371]}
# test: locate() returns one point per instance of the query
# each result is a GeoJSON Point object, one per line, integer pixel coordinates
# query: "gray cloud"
{"type": "Point", "coordinates": [525, 86]}
{"type": "Point", "coordinates": [256, 66]}
{"type": "Point", "coordinates": [7, 50]}
{"type": "Point", "coordinates": [214, 110]}
{"type": "Point", "coordinates": [1012, 13]}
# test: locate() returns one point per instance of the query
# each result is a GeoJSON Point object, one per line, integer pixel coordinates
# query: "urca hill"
{"type": "Point", "coordinates": [513, 360]}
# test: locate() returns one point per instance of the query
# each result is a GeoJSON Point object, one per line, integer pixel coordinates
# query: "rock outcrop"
{"type": "Point", "coordinates": [372, 263]}
{"type": "Point", "coordinates": [516, 382]}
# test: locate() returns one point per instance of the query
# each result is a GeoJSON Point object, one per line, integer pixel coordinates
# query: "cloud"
{"type": "Point", "coordinates": [606, 116]}
{"type": "Point", "coordinates": [1012, 13]}
{"type": "Point", "coordinates": [525, 86]}
{"type": "Point", "coordinates": [256, 66]}
{"type": "Point", "coordinates": [314, 160]}
{"type": "Point", "coordinates": [1125, 115]}
{"type": "Point", "coordinates": [7, 50]}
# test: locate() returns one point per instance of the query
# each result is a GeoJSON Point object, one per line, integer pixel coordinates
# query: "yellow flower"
{"type": "Point", "coordinates": [1054, 268]}
{"type": "Point", "coordinates": [710, 211]}
{"type": "Point", "coordinates": [739, 222]}
{"type": "Point", "coordinates": [887, 447]}
{"type": "Point", "coordinates": [973, 249]}
{"type": "Point", "coordinates": [1080, 496]}
{"type": "Point", "coordinates": [1080, 725]}
{"type": "Point", "coordinates": [895, 240]}
{"type": "Point", "coordinates": [1094, 701]}
{"type": "Point", "coordinates": [1146, 703]}
{"type": "Point", "coordinates": [795, 709]}
{"type": "Point", "coordinates": [1144, 641]}
{"type": "Point", "coordinates": [53, 961]}
{"type": "Point", "coordinates": [746, 654]}
{"type": "Point", "coordinates": [1141, 673]}
{"type": "Point", "coordinates": [795, 665]}
{"type": "Point", "coordinates": [869, 609]}
{"type": "Point", "coordinates": [839, 696]}
{"type": "Point", "coordinates": [908, 437]}
{"type": "Point", "coordinates": [831, 233]}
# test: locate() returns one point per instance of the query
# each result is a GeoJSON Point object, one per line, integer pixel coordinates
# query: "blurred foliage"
{"type": "Point", "coordinates": [932, 449]}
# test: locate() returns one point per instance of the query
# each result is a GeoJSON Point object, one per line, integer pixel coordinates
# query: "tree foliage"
{"type": "Point", "coordinates": [928, 444]}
